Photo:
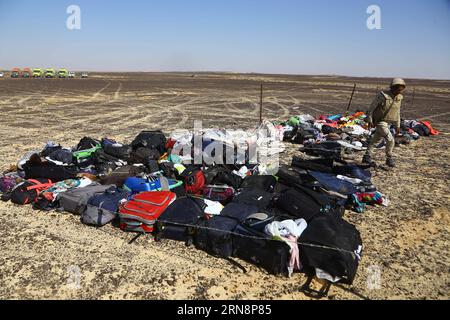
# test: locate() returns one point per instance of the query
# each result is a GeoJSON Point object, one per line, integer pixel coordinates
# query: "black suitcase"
{"type": "Point", "coordinates": [261, 199]}
{"type": "Point", "coordinates": [251, 244]}
{"type": "Point", "coordinates": [180, 220]}
{"type": "Point", "coordinates": [215, 235]}
{"type": "Point", "coordinates": [262, 182]}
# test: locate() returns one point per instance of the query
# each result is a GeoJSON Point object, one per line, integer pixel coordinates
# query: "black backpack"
{"type": "Point", "coordinates": [118, 151]}
{"type": "Point", "coordinates": [151, 140]}
{"type": "Point", "coordinates": [86, 143]}
{"type": "Point", "coordinates": [144, 155]}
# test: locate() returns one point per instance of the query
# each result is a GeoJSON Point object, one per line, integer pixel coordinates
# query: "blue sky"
{"type": "Point", "coordinates": [266, 36]}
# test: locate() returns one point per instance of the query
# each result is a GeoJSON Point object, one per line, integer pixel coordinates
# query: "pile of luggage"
{"type": "Point", "coordinates": [285, 221]}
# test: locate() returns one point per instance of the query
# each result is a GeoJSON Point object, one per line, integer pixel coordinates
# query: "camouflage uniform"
{"type": "Point", "coordinates": [383, 112]}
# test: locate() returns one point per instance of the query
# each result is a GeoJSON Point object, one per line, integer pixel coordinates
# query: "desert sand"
{"type": "Point", "coordinates": [408, 242]}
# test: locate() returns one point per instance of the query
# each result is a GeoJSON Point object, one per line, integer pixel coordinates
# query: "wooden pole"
{"type": "Point", "coordinates": [351, 98]}
{"type": "Point", "coordinates": [261, 104]}
{"type": "Point", "coordinates": [413, 97]}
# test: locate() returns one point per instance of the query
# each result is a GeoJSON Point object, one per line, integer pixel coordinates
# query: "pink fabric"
{"type": "Point", "coordinates": [294, 261]}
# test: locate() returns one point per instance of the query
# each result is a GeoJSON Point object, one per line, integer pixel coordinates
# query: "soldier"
{"type": "Point", "coordinates": [383, 112]}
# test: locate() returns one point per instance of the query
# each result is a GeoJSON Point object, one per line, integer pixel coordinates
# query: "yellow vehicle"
{"type": "Point", "coordinates": [50, 73]}
{"type": "Point", "coordinates": [38, 73]}
{"type": "Point", "coordinates": [63, 73]}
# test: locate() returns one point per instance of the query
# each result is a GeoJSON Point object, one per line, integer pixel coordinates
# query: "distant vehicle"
{"type": "Point", "coordinates": [84, 75]}
{"type": "Point", "coordinates": [27, 73]}
{"type": "Point", "coordinates": [1, 75]}
{"type": "Point", "coordinates": [72, 74]}
{"type": "Point", "coordinates": [15, 73]}
{"type": "Point", "coordinates": [63, 73]}
{"type": "Point", "coordinates": [38, 73]}
{"type": "Point", "coordinates": [50, 73]}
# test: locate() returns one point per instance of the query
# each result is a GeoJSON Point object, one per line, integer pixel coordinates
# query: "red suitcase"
{"type": "Point", "coordinates": [140, 213]}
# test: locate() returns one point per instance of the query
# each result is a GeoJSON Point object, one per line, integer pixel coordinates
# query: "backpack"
{"type": "Point", "coordinates": [180, 220]}
{"type": "Point", "coordinates": [105, 163]}
{"type": "Point", "coordinates": [118, 151]}
{"type": "Point", "coordinates": [102, 208]}
{"type": "Point", "coordinates": [141, 212]}
{"type": "Point", "coordinates": [331, 231]}
{"type": "Point", "coordinates": [194, 180]}
{"type": "Point", "coordinates": [85, 150]}
{"type": "Point", "coordinates": [29, 190]}
{"type": "Point", "coordinates": [75, 200]}
{"type": "Point", "coordinates": [151, 140]}
{"type": "Point", "coordinates": [144, 155]}
{"type": "Point", "coordinates": [7, 183]}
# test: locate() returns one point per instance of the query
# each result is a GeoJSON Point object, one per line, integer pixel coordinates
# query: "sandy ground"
{"type": "Point", "coordinates": [407, 242]}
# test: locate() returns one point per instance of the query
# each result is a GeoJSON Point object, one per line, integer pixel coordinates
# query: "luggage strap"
{"type": "Point", "coordinates": [312, 293]}
{"type": "Point", "coordinates": [39, 185]}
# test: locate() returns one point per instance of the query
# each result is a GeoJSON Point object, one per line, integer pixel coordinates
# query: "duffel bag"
{"type": "Point", "coordinates": [75, 200]}
{"type": "Point", "coordinates": [28, 191]}
{"type": "Point", "coordinates": [151, 140]}
{"type": "Point", "coordinates": [49, 171]}
{"type": "Point", "coordinates": [136, 185]}
{"type": "Point", "coordinates": [140, 213]}
{"type": "Point", "coordinates": [102, 208]}
{"type": "Point", "coordinates": [221, 193]}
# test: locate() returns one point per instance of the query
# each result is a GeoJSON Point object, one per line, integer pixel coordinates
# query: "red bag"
{"type": "Point", "coordinates": [194, 181]}
{"type": "Point", "coordinates": [140, 213]}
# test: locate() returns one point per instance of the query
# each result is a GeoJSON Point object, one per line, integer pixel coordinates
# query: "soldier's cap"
{"type": "Point", "coordinates": [398, 82]}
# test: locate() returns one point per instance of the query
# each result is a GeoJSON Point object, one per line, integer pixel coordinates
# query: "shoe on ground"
{"type": "Point", "coordinates": [367, 159]}
{"type": "Point", "coordinates": [390, 162]}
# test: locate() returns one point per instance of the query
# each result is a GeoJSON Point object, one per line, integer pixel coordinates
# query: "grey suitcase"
{"type": "Point", "coordinates": [75, 200]}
